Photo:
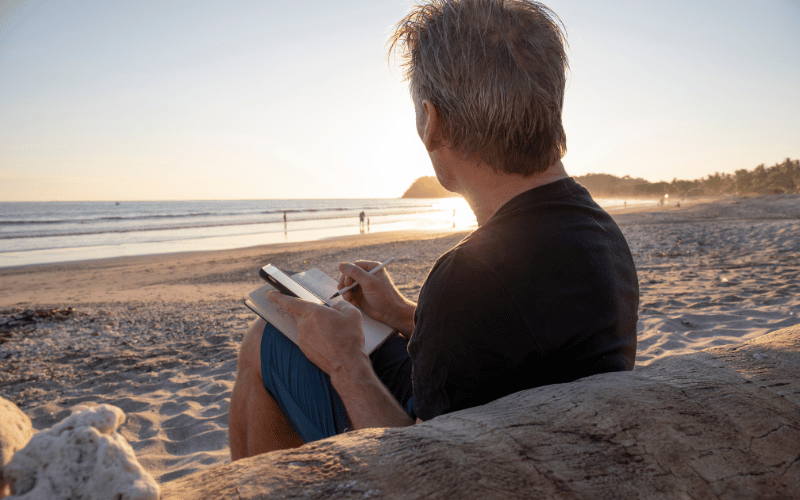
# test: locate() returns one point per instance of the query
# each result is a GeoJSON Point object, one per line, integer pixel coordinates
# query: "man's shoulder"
{"type": "Point", "coordinates": [452, 267]}
{"type": "Point", "coordinates": [543, 245]}
{"type": "Point", "coordinates": [560, 214]}
{"type": "Point", "coordinates": [460, 281]}
{"type": "Point", "coordinates": [538, 234]}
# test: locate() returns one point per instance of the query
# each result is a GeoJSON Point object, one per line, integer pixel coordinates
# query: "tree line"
{"type": "Point", "coordinates": [780, 178]}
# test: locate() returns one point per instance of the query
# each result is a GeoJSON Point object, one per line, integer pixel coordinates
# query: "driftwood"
{"type": "Point", "coordinates": [721, 423]}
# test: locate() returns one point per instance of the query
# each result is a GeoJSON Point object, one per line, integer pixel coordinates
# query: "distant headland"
{"type": "Point", "coordinates": [780, 178]}
{"type": "Point", "coordinates": [428, 187]}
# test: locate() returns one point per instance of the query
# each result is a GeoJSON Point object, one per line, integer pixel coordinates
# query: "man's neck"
{"type": "Point", "coordinates": [486, 190]}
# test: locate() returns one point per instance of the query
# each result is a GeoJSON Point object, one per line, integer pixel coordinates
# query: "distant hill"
{"type": "Point", "coordinates": [607, 185]}
{"type": "Point", "coordinates": [427, 187]}
{"type": "Point", "coordinates": [780, 178]}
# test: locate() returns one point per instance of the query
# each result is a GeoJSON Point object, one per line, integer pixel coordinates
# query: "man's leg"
{"type": "Point", "coordinates": [281, 399]}
{"type": "Point", "coordinates": [255, 422]}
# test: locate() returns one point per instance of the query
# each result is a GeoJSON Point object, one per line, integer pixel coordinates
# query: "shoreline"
{"type": "Point", "coordinates": [40, 283]}
{"type": "Point", "coordinates": [53, 249]}
{"type": "Point", "coordinates": [381, 236]}
{"type": "Point", "coordinates": [29, 284]}
{"type": "Point", "coordinates": [38, 236]}
{"type": "Point", "coordinates": [397, 234]}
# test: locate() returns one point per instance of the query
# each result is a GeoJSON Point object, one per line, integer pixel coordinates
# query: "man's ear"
{"type": "Point", "coordinates": [430, 126]}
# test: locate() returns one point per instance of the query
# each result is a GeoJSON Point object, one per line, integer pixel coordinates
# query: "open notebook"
{"type": "Point", "coordinates": [375, 332]}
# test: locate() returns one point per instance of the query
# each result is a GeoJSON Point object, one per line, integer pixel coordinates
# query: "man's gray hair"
{"type": "Point", "coordinates": [496, 71]}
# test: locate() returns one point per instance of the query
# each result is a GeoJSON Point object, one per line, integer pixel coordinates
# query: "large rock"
{"type": "Point", "coordinates": [81, 457]}
{"type": "Point", "coordinates": [721, 423]}
{"type": "Point", "coordinates": [15, 432]}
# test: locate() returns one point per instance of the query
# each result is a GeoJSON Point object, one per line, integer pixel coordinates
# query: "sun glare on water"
{"type": "Point", "coordinates": [455, 212]}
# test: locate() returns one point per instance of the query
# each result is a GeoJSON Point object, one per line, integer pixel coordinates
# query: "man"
{"type": "Point", "coordinates": [543, 292]}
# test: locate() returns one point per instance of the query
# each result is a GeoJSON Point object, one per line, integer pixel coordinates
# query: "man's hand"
{"type": "Point", "coordinates": [330, 337]}
{"type": "Point", "coordinates": [377, 296]}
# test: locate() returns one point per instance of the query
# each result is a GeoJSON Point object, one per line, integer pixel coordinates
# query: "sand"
{"type": "Point", "coordinates": [158, 335]}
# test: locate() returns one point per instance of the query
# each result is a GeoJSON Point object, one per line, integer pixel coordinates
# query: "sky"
{"type": "Point", "coordinates": [179, 99]}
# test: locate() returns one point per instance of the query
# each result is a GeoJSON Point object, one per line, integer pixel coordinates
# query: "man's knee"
{"type": "Point", "coordinates": [255, 422]}
{"type": "Point", "coordinates": [250, 351]}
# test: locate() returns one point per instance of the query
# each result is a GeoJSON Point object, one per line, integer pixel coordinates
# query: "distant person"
{"type": "Point", "coordinates": [543, 292]}
{"type": "Point", "coordinates": [367, 224]}
{"type": "Point", "coordinates": [285, 222]}
{"type": "Point", "coordinates": [361, 220]}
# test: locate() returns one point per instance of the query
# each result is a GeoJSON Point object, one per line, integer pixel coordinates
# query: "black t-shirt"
{"type": "Point", "coordinates": [545, 292]}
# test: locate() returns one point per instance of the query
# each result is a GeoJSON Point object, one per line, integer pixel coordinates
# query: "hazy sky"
{"type": "Point", "coordinates": [175, 99]}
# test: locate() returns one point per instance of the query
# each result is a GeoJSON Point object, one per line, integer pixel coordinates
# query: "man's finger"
{"type": "Point", "coordinates": [347, 309]}
{"type": "Point", "coordinates": [344, 281]}
{"type": "Point", "coordinates": [294, 305]}
{"type": "Point", "coordinates": [343, 306]}
{"type": "Point", "coordinates": [367, 265]}
{"type": "Point", "coordinates": [353, 272]}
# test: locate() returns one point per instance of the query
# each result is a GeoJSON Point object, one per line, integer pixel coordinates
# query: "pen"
{"type": "Point", "coordinates": [348, 288]}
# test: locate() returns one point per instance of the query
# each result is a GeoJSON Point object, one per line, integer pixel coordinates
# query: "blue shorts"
{"type": "Point", "coordinates": [305, 394]}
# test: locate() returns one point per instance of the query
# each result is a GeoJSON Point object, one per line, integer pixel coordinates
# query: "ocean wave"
{"type": "Point", "coordinates": [165, 237]}
{"type": "Point", "coordinates": [278, 222]}
{"type": "Point", "coordinates": [252, 213]}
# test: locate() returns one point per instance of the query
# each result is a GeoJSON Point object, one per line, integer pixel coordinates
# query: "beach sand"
{"type": "Point", "coordinates": [158, 336]}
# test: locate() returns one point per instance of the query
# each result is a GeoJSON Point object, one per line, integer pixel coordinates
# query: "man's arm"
{"type": "Point", "coordinates": [332, 339]}
{"type": "Point", "coordinates": [369, 403]}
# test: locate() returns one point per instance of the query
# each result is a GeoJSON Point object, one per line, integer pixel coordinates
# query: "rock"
{"type": "Point", "coordinates": [82, 457]}
{"type": "Point", "coordinates": [427, 187]}
{"type": "Point", "coordinates": [721, 423]}
{"type": "Point", "coordinates": [15, 431]}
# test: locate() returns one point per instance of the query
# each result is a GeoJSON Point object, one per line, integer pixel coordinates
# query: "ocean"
{"type": "Point", "coordinates": [46, 232]}
{"type": "Point", "coordinates": [64, 231]}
